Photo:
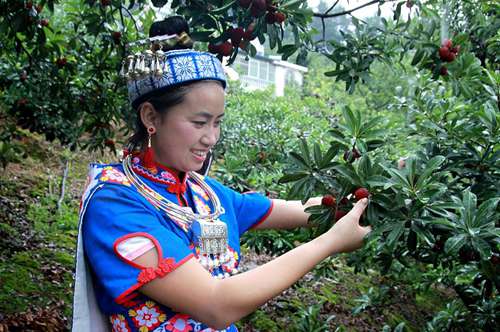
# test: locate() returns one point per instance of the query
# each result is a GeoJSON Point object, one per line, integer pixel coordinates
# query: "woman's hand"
{"type": "Point", "coordinates": [347, 233]}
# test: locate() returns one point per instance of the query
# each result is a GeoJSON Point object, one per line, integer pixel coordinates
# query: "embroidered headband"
{"type": "Point", "coordinates": [150, 71]}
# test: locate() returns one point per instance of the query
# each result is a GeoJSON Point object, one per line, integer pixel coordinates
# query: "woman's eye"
{"type": "Point", "coordinates": [218, 123]}
{"type": "Point", "coordinates": [199, 123]}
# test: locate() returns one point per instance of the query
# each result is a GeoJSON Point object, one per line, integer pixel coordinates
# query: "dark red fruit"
{"type": "Point", "coordinates": [450, 57]}
{"type": "Point", "coordinates": [256, 12]}
{"type": "Point", "coordinates": [109, 143]}
{"type": "Point", "coordinates": [214, 48]}
{"type": "Point", "coordinates": [270, 18]}
{"type": "Point", "coordinates": [259, 4]}
{"type": "Point", "coordinates": [117, 36]}
{"type": "Point", "coordinates": [61, 62]}
{"type": "Point", "coordinates": [44, 22]}
{"type": "Point", "coordinates": [245, 3]}
{"type": "Point", "coordinates": [444, 52]}
{"type": "Point", "coordinates": [236, 35]}
{"type": "Point", "coordinates": [495, 260]}
{"type": "Point", "coordinates": [344, 201]}
{"type": "Point", "coordinates": [105, 3]}
{"type": "Point", "coordinates": [249, 32]}
{"type": "Point", "coordinates": [29, 5]}
{"type": "Point", "coordinates": [455, 49]}
{"type": "Point", "coordinates": [443, 71]}
{"type": "Point", "coordinates": [339, 214]}
{"type": "Point", "coordinates": [22, 102]}
{"type": "Point", "coordinates": [328, 200]}
{"type": "Point", "coordinates": [39, 8]}
{"type": "Point", "coordinates": [226, 49]}
{"type": "Point", "coordinates": [468, 255]}
{"type": "Point", "coordinates": [409, 4]}
{"type": "Point", "coordinates": [279, 17]}
{"type": "Point", "coordinates": [447, 43]}
{"type": "Point", "coordinates": [351, 155]}
{"type": "Point", "coordinates": [23, 76]}
{"type": "Point", "coordinates": [361, 193]}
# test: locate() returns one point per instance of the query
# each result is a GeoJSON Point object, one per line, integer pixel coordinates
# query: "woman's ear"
{"type": "Point", "coordinates": [149, 116]}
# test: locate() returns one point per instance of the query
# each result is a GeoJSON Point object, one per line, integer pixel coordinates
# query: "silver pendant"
{"type": "Point", "coordinates": [210, 236]}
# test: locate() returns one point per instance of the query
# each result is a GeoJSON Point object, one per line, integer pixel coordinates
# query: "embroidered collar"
{"type": "Point", "coordinates": [161, 174]}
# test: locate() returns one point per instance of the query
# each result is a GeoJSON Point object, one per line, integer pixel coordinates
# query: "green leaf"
{"type": "Point", "coordinates": [298, 160]}
{"type": "Point", "coordinates": [223, 9]}
{"type": "Point", "coordinates": [453, 244]}
{"type": "Point", "coordinates": [317, 154]}
{"type": "Point", "coordinates": [394, 235]}
{"type": "Point", "coordinates": [304, 149]}
{"type": "Point", "coordinates": [482, 247]}
{"type": "Point", "coordinates": [430, 167]}
{"type": "Point", "coordinates": [292, 177]}
{"type": "Point", "coordinates": [470, 202]}
{"type": "Point", "coordinates": [419, 54]}
{"type": "Point", "coordinates": [486, 211]}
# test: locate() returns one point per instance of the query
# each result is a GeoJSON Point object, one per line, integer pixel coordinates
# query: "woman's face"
{"type": "Point", "coordinates": [187, 131]}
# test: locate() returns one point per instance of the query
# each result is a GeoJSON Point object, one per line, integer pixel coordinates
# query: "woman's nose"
{"type": "Point", "coordinates": [210, 137]}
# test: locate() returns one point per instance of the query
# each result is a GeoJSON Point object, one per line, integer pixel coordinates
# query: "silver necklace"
{"type": "Point", "coordinates": [209, 232]}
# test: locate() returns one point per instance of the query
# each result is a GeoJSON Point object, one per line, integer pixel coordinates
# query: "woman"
{"type": "Point", "coordinates": [162, 242]}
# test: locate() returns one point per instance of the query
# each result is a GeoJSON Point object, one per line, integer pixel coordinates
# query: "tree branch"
{"type": "Point", "coordinates": [326, 15]}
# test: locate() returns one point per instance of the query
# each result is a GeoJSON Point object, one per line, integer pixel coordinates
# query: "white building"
{"type": "Point", "coordinates": [261, 71]}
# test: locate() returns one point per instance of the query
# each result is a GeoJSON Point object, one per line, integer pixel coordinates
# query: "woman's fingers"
{"type": "Point", "coordinates": [359, 208]}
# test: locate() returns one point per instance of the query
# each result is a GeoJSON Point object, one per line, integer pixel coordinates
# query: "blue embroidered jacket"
{"type": "Point", "coordinates": [113, 211]}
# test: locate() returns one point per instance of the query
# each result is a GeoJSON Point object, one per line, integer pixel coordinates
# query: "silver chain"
{"type": "Point", "coordinates": [173, 210]}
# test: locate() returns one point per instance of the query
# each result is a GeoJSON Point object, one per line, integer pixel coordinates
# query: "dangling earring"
{"type": "Point", "coordinates": [148, 161]}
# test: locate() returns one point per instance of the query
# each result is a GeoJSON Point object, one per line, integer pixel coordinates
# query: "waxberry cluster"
{"type": "Point", "coordinates": [235, 37]}
{"type": "Point", "coordinates": [330, 201]}
{"type": "Point", "coordinates": [447, 53]}
{"type": "Point", "coordinates": [260, 7]}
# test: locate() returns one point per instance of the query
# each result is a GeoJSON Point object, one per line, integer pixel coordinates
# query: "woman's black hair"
{"type": "Point", "coordinates": [163, 99]}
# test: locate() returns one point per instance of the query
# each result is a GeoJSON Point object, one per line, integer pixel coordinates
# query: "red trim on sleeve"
{"type": "Point", "coordinates": [137, 234]}
{"type": "Point", "coordinates": [265, 216]}
{"type": "Point", "coordinates": [164, 267]}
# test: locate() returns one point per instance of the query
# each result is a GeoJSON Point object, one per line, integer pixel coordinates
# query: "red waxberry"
{"type": "Point", "coordinates": [447, 43]}
{"type": "Point", "coordinates": [245, 3]}
{"type": "Point", "coordinates": [344, 201]}
{"type": "Point", "coordinates": [44, 22]}
{"type": "Point", "coordinates": [455, 49]}
{"type": "Point", "coordinates": [328, 200]}
{"type": "Point", "coordinates": [23, 76]}
{"type": "Point", "coordinates": [117, 36]}
{"type": "Point", "coordinates": [259, 4]}
{"type": "Point", "coordinates": [61, 62]}
{"type": "Point", "coordinates": [409, 3]}
{"type": "Point", "coordinates": [248, 35]}
{"type": "Point", "coordinates": [22, 102]}
{"type": "Point", "coordinates": [270, 18]}
{"type": "Point", "coordinates": [339, 214]}
{"type": "Point", "coordinates": [39, 8]}
{"type": "Point", "coordinates": [351, 155]}
{"type": "Point", "coordinates": [109, 143]}
{"type": "Point", "coordinates": [444, 52]}
{"type": "Point", "coordinates": [214, 48]}
{"type": "Point", "coordinates": [226, 49]}
{"type": "Point", "coordinates": [279, 17]}
{"type": "Point", "coordinates": [495, 260]}
{"type": "Point", "coordinates": [361, 193]}
{"type": "Point", "coordinates": [29, 5]}
{"type": "Point", "coordinates": [105, 3]}
{"type": "Point", "coordinates": [443, 71]}
{"type": "Point", "coordinates": [256, 12]}
{"type": "Point", "coordinates": [450, 57]}
{"type": "Point", "coordinates": [236, 35]}
{"type": "Point", "coordinates": [243, 44]}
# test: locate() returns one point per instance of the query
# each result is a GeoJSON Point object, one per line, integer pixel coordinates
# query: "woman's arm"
{"type": "Point", "coordinates": [192, 290]}
{"type": "Point", "coordinates": [288, 214]}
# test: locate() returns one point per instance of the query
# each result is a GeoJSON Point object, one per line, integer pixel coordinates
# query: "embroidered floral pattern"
{"type": "Point", "coordinates": [111, 174]}
{"type": "Point", "coordinates": [150, 273]}
{"type": "Point", "coordinates": [118, 323]}
{"type": "Point", "coordinates": [147, 316]}
{"type": "Point", "coordinates": [179, 323]}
